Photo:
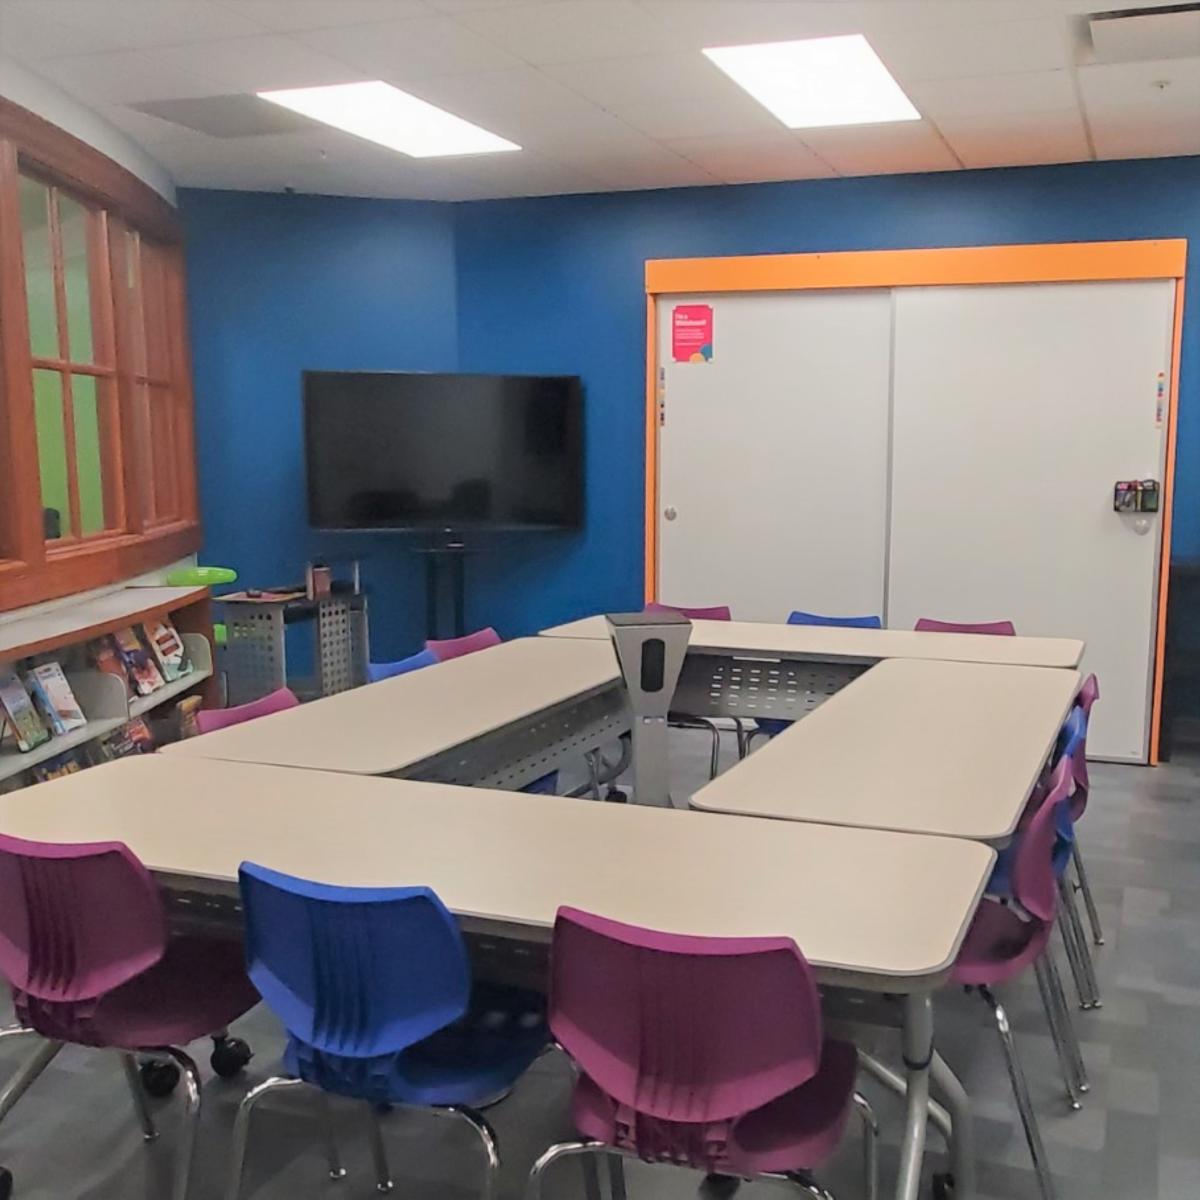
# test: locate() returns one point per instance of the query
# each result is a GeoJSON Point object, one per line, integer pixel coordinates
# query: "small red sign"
{"type": "Point", "coordinates": [692, 332]}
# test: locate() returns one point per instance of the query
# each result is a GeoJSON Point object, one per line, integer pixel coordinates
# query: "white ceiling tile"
{"type": "Point", "coordinates": [1132, 114]}
{"type": "Point", "coordinates": [957, 52]}
{"type": "Point", "coordinates": [635, 163]}
{"type": "Point", "coordinates": [572, 30]}
{"type": "Point", "coordinates": [993, 95]}
{"type": "Point", "coordinates": [900, 147]}
{"type": "Point", "coordinates": [1117, 137]}
{"type": "Point", "coordinates": [694, 24]}
{"type": "Point", "coordinates": [122, 77]}
{"type": "Point", "coordinates": [1021, 139]}
{"type": "Point", "coordinates": [755, 158]}
{"type": "Point", "coordinates": [286, 15]}
{"type": "Point", "coordinates": [944, 14]}
{"type": "Point", "coordinates": [257, 64]}
{"type": "Point", "coordinates": [667, 96]}
{"type": "Point", "coordinates": [399, 51]}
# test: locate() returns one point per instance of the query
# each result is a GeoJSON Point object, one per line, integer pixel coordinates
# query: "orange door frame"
{"type": "Point", "coordinates": [1062, 262]}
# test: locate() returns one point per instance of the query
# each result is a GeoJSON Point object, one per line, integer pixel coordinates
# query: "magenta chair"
{"type": "Point", "coordinates": [999, 628]}
{"type": "Point", "coordinates": [85, 949]}
{"type": "Point", "coordinates": [1007, 938]}
{"type": "Point", "coordinates": [718, 612]}
{"type": "Point", "coordinates": [209, 720]}
{"type": "Point", "coordinates": [1089, 693]}
{"type": "Point", "coordinates": [698, 1052]}
{"type": "Point", "coordinates": [481, 639]}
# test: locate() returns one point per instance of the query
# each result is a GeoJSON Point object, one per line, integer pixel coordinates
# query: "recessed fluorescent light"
{"type": "Point", "coordinates": [817, 82]}
{"type": "Point", "coordinates": [384, 114]}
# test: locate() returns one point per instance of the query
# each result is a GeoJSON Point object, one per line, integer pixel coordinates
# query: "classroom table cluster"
{"type": "Point", "coordinates": [902, 814]}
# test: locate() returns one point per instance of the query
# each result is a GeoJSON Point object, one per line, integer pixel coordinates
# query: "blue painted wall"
{"type": "Point", "coordinates": [277, 284]}
{"type": "Point", "coordinates": [555, 285]}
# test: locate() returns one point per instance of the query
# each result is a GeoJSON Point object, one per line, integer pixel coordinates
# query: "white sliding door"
{"type": "Point", "coordinates": [1015, 409]}
{"type": "Point", "coordinates": [773, 457]}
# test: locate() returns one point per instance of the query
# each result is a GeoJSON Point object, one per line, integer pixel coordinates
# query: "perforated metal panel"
{"type": "Point", "coordinates": [256, 655]}
{"type": "Point", "coordinates": [723, 686]}
{"type": "Point", "coordinates": [519, 753]}
{"type": "Point", "coordinates": [336, 667]}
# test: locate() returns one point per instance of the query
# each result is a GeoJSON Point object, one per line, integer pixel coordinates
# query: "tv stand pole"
{"type": "Point", "coordinates": [445, 561]}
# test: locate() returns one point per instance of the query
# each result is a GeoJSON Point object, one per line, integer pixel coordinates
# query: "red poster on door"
{"type": "Point", "coordinates": [692, 332]}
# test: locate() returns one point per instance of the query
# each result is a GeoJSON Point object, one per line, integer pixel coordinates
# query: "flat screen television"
{"type": "Point", "coordinates": [407, 451]}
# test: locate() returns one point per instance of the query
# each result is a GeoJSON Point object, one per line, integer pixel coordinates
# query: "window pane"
{"type": "Point", "coordinates": [89, 457]}
{"type": "Point", "coordinates": [39, 268]}
{"type": "Point", "coordinates": [52, 453]}
{"type": "Point", "coordinates": [74, 224]}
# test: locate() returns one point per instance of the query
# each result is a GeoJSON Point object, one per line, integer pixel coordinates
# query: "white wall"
{"type": "Point", "coordinates": [34, 93]}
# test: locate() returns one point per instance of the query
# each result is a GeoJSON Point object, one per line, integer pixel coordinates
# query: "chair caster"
{"type": "Point", "coordinates": [616, 795]}
{"type": "Point", "coordinates": [943, 1186]}
{"type": "Point", "coordinates": [230, 1056]}
{"type": "Point", "coordinates": [159, 1079]}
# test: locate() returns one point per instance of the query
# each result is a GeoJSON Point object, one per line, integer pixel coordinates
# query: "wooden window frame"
{"type": "Point", "coordinates": [32, 569]}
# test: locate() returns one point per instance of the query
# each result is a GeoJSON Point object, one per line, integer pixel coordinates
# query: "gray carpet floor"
{"type": "Point", "coordinates": [1138, 1135]}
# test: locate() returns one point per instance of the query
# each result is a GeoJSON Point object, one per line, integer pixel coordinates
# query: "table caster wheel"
{"type": "Point", "coordinates": [230, 1056]}
{"type": "Point", "coordinates": [159, 1079]}
{"type": "Point", "coordinates": [943, 1186]}
{"type": "Point", "coordinates": [616, 795]}
{"type": "Point", "coordinates": [6, 1183]}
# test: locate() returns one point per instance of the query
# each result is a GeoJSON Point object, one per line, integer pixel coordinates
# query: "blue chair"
{"type": "Point", "coordinates": [773, 726]}
{"type": "Point", "coordinates": [374, 989]}
{"type": "Point", "coordinates": [414, 662]}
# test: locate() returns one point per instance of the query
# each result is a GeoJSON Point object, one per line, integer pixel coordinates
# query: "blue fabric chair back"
{"type": "Point", "coordinates": [353, 972]}
{"type": "Point", "coordinates": [1073, 734]}
{"type": "Point", "coordinates": [414, 662]}
{"type": "Point", "coordinates": [807, 618]}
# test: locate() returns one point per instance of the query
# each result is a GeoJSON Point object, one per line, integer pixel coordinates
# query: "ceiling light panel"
{"type": "Point", "coordinates": [817, 82]}
{"type": "Point", "coordinates": [383, 114]}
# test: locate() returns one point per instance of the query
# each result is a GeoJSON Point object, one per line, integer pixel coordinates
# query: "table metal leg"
{"type": "Point", "coordinates": [651, 765]}
{"type": "Point", "coordinates": [962, 1138]}
{"type": "Point", "coordinates": [917, 1042]}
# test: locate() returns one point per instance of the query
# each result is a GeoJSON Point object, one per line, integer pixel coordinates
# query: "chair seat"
{"type": "Point", "coordinates": [472, 1060]}
{"type": "Point", "coordinates": [197, 988]}
{"type": "Point", "coordinates": [999, 945]}
{"type": "Point", "coordinates": [796, 1132]}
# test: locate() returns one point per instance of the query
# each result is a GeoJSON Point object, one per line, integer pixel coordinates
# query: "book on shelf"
{"type": "Point", "coordinates": [51, 692]}
{"type": "Point", "coordinates": [134, 737]}
{"type": "Point", "coordinates": [168, 648]}
{"type": "Point", "coordinates": [106, 658]}
{"type": "Point", "coordinates": [54, 768]}
{"type": "Point", "coordinates": [139, 662]}
{"type": "Point", "coordinates": [19, 712]}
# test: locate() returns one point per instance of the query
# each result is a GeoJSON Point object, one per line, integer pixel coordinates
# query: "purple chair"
{"type": "Point", "coordinates": [211, 719]}
{"type": "Point", "coordinates": [999, 628]}
{"type": "Point", "coordinates": [447, 648]}
{"type": "Point", "coordinates": [1089, 693]}
{"type": "Point", "coordinates": [84, 947]}
{"type": "Point", "coordinates": [699, 1052]}
{"type": "Point", "coordinates": [719, 612]}
{"type": "Point", "coordinates": [1006, 938]}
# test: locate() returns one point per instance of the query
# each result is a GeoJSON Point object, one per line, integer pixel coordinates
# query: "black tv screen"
{"type": "Point", "coordinates": [450, 452]}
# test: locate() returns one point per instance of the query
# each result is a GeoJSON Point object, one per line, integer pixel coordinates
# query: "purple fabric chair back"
{"type": "Point", "coordinates": [682, 1033]}
{"type": "Point", "coordinates": [1089, 693]}
{"type": "Point", "coordinates": [999, 628]}
{"type": "Point", "coordinates": [210, 719]}
{"type": "Point", "coordinates": [75, 923]}
{"type": "Point", "coordinates": [1034, 884]}
{"type": "Point", "coordinates": [456, 647]}
{"type": "Point", "coordinates": [719, 612]}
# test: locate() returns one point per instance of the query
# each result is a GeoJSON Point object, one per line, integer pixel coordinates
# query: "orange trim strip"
{"type": "Point", "coordinates": [651, 575]}
{"type": "Point", "coordinates": [1060, 263]}
{"type": "Point", "coordinates": [1164, 569]}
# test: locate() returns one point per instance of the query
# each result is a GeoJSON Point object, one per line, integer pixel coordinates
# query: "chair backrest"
{"type": "Point", "coordinates": [355, 972]}
{"type": "Point", "coordinates": [76, 921]}
{"type": "Point", "coordinates": [719, 612]}
{"type": "Point", "coordinates": [210, 719]}
{"type": "Point", "coordinates": [683, 1029]}
{"type": "Point", "coordinates": [446, 648]}
{"type": "Point", "coordinates": [1000, 628]}
{"type": "Point", "coordinates": [800, 617]}
{"type": "Point", "coordinates": [1033, 877]}
{"type": "Point", "coordinates": [414, 662]}
{"type": "Point", "coordinates": [1089, 693]}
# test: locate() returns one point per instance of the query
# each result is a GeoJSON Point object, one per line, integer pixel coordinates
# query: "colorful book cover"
{"type": "Point", "coordinates": [19, 711]}
{"type": "Point", "coordinates": [106, 658]}
{"type": "Point", "coordinates": [49, 684]}
{"type": "Point", "coordinates": [133, 738]}
{"type": "Point", "coordinates": [164, 640]}
{"type": "Point", "coordinates": [139, 662]}
{"type": "Point", "coordinates": [43, 703]}
{"type": "Point", "coordinates": [56, 768]}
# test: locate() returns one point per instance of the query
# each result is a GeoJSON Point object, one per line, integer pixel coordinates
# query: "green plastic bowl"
{"type": "Point", "coordinates": [201, 576]}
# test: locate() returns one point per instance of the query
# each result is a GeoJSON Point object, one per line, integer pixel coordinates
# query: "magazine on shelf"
{"type": "Point", "coordinates": [54, 768]}
{"type": "Point", "coordinates": [138, 660]}
{"type": "Point", "coordinates": [19, 712]}
{"type": "Point", "coordinates": [106, 658]}
{"type": "Point", "coordinates": [51, 692]}
{"type": "Point", "coordinates": [132, 738]}
{"type": "Point", "coordinates": [168, 648]}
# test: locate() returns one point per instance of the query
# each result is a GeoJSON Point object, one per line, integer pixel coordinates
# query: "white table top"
{"type": "Point", "coordinates": [834, 643]}
{"type": "Point", "coordinates": [943, 748]}
{"type": "Point", "coordinates": [871, 908]}
{"type": "Point", "coordinates": [391, 725]}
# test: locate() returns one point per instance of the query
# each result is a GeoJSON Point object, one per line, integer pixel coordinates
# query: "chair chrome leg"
{"type": "Point", "coordinates": [1072, 951]}
{"type": "Point", "coordinates": [714, 758]}
{"type": "Point", "coordinates": [1089, 900]}
{"type": "Point", "coordinates": [593, 767]}
{"type": "Point", "coordinates": [383, 1173]}
{"type": "Point", "coordinates": [1050, 1007]}
{"type": "Point", "coordinates": [589, 1164]}
{"type": "Point", "coordinates": [808, 1185]}
{"type": "Point", "coordinates": [19, 1082]}
{"type": "Point", "coordinates": [616, 1176]}
{"type": "Point", "coordinates": [491, 1148]}
{"type": "Point", "coordinates": [1033, 1134]}
{"type": "Point", "coordinates": [585, 1146]}
{"type": "Point", "coordinates": [332, 1155]}
{"type": "Point", "coordinates": [1066, 1023]}
{"type": "Point", "coordinates": [1071, 909]}
{"type": "Point", "coordinates": [134, 1079]}
{"type": "Point", "coordinates": [870, 1129]}
{"type": "Point", "coordinates": [241, 1129]}
{"type": "Point", "coordinates": [190, 1075]}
